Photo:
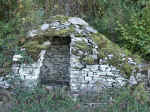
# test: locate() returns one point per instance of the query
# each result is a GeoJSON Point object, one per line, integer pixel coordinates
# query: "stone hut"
{"type": "Point", "coordinates": [67, 51]}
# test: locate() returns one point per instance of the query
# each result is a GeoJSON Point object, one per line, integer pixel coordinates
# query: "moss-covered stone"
{"type": "Point", "coordinates": [106, 47]}
{"type": "Point", "coordinates": [88, 60]}
{"type": "Point", "coordinates": [126, 69]}
{"type": "Point", "coordinates": [82, 45]}
{"type": "Point", "coordinates": [34, 46]}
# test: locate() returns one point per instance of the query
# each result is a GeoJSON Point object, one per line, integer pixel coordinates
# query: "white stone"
{"type": "Point", "coordinates": [77, 21]}
{"type": "Point", "coordinates": [66, 23]}
{"type": "Point", "coordinates": [55, 24]}
{"type": "Point", "coordinates": [4, 84]}
{"type": "Point", "coordinates": [17, 57]}
{"type": "Point", "coordinates": [121, 81]}
{"type": "Point", "coordinates": [123, 59]}
{"type": "Point", "coordinates": [44, 27]}
{"type": "Point", "coordinates": [88, 79]}
{"type": "Point", "coordinates": [105, 77]}
{"type": "Point", "coordinates": [132, 81]}
{"type": "Point", "coordinates": [77, 26]}
{"type": "Point", "coordinates": [133, 63]}
{"type": "Point", "coordinates": [90, 74]}
{"type": "Point", "coordinates": [130, 59]}
{"type": "Point", "coordinates": [92, 67]}
{"type": "Point", "coordinates": [77, 39]}
{"type": "Point", "coordinates": [28, 74]}
{"type": "Point", "coordinates": [47, 43]}
{"type": "Point", "coordinates": [32, 33]}
{"type": "Point", "coordinates": [90, 29]}
{"type": "Point", "coordinates": [75, 73]}
{"type": "Point", "coordinates": [110, 56]}
{"type": "Point", "coordinates": [78, 30]}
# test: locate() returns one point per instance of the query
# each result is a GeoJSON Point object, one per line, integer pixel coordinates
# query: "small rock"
{"type": "Point", "coordinates": [3, 83]}
{"type": "Point", "coordinates": [77, 21]}
{"type": "Point", "coordinates": [66, 23]}
{"type": "Point", "coordinates": [47, 43]}
{"type": "Point", "coordinates": [78, 30]}
{"type": "Point", "coordinates": [54, 24]}
{"type": "Point", "coordinates": [32, 33]}
{"type": "Point", "coordinates": [110, 56]}
{"type": "Point", "coordinates": [132, 81]}
{"type": "Point", "coordinates": [90, 29]}
{"type": "Point", "coordinates": [77, 26]}
{"type": "Point", "coordinates": [44, 27]}
{"type": "Point", "coordinates": [17, 57]}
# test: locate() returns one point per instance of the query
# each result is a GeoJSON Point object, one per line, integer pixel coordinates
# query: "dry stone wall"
{"type": "Point", "coordinates": [96, 77]}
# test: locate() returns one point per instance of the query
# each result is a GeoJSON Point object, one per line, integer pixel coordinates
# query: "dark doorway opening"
{"type": "Point", "coordinates": [56, 64]}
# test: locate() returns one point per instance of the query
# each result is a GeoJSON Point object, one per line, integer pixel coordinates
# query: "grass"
{"type": "Point", "coordinates": [58, 100]}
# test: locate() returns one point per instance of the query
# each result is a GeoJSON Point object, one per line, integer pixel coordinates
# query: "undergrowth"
{"type": "Point", "coordinates": [58, 100]}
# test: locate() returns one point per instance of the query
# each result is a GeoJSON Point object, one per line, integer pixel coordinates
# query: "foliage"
{"type": "Point", "coordinates": [111, 11]}
{"type": "Point", "coordinates": [135, 35]}
{"type": "Point", "coordinates": [118, 100]}
{"type": "Point", "coordinates": [8, 42]}
{"type": "Point", "coordinates": [15, 15]}
{"type": "Point", "coordinates": [42, 99]}
{"type": "Point", "coordinates": [132, 17]}
{"type": "Point", "coordinates": [130, 99]}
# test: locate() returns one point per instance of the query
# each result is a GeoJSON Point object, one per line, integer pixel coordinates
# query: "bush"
{"type": "Point", "coordinates": [16, 17]}
{"type": "Point", "coordinates": [128, 99]}
{"type": "Point", "coordinates": [135, 35]}
{"type": "Point", "coordinates": [108, 13]}
{"type": "Point", "coordinates": [111, 11]}
{"type": "Point", "coordinates": [132, 17]}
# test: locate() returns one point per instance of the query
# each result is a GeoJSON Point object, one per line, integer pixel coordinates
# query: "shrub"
{"type": "Point", "coordinates": [135, 35]}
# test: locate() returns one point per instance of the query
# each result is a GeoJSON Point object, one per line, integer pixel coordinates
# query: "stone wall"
{"type": "Point", "coordinates": [26, 75]}
{"type": "Point", "coordinates": [96, 77]}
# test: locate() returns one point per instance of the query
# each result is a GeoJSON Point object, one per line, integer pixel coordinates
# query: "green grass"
{"type": "Point", "coordinates": [57, 100]}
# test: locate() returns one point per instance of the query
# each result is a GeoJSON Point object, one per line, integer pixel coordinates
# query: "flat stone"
{"type": "Point", "coordinates": [90, 29]}
{"type": "Point", "coordinates": [47, 43]}
{"type": "Point", "coordinates": [32, 33]}
{"type": "Point", "coordinates": [17, 57]}
{"type": "Point", "coordinates": [4, 84]}
{"type": "Point", "coordinates": [77, 21]}
{"type": "Point", "coordinates": [66, 23]}
{"type": "Point", "coordinates": [44, 27]}
{"type": "Point", "coordinates": [78, 30]}
{"type": "Point", "coordinates": [55, 24]}
{"type": "Point", "coordinates": [132, 81]}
